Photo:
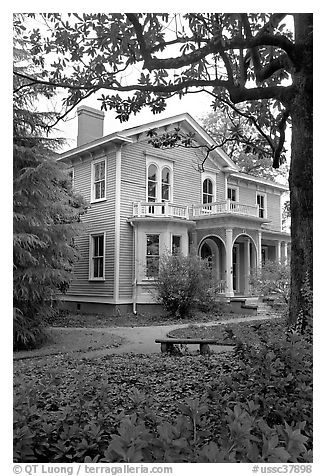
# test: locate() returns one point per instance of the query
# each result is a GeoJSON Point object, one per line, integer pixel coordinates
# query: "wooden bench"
{"type": "Point", "coordinates": [168, 343]}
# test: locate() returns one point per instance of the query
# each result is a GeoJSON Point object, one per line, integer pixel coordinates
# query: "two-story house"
{"type": "Point", "coordinates": [146, 201]}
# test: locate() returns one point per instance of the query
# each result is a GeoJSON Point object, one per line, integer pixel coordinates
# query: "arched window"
{"type": "Point", "coordinates": [165, 190]}
{"type": "Point", "coordinates": [152, 183]}
{"type": "Point", "coordinates": [208, 191]}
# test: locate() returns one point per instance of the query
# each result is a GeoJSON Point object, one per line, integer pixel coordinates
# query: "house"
{"type": "Point", "coordinates": [146, 201]}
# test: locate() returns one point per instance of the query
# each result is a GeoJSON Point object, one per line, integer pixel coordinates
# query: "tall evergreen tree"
{"type": "Point", "coordinates": [46, 216]}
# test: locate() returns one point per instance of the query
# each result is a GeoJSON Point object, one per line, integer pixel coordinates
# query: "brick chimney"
{"type": "Point", "coordinates": [90, 124]}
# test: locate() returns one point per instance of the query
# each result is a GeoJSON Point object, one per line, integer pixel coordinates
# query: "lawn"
{"type": "Point", "coordinates": [251, 405]}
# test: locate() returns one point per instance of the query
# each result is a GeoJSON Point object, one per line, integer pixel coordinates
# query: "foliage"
{"type": "Point", "coordinates": [95, 52]}
{"type": "Point", "coordinates": [242, 142]}
{"type": "Point", "coordinates": [251, 406]}
{"type": "Point", "coordinates": [286, 215]}
{"type": "Point", "coordinates": [272, 279]}
{"type": "Point", "coordinates": [182, 283]}
{"type": "Point", "coordinates": [304, 323]}
{"type": "Point", "coordinates": [46, 214]}
{"type": "Point", "coordinates": [231, 332]}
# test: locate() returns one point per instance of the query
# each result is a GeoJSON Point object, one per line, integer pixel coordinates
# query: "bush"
{"type": "Point", "coordinates": [272, 279]}
{"type": "Point", "coordinates": [184, 282]}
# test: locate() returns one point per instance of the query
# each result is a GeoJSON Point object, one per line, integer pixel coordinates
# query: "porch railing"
{"type": "Point", "coordinates": [160, 209]}
{"type": "Point", "coordinates": [226, 206]}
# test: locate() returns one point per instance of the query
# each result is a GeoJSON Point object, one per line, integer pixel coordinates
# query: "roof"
{"type": "Point", "coordinates": [263, 181]}
{"type": "Point", "coordinates": [125, 136]}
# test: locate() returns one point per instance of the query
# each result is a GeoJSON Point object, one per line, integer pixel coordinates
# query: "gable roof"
{"type": "Point", "coordinates": [126, 136]}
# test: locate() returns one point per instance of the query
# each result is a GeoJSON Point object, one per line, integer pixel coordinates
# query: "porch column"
{"type": "Point", "coordinates": [246, 265]}
{"type": "Point", "coordinates": [229, 263]}
{"type": "Point", "coordinates": [259, 251]}
{"type": "Point", "coordinates": [285, 251]}
{"type": "Point", "coordinates": [278, 252]}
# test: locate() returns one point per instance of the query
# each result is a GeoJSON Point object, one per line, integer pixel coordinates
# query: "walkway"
{"type": "Point", "coordinates": [141, 340]}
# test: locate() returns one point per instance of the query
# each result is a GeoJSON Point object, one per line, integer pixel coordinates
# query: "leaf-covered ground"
{"type": "Point", "coordinates": [227, 332]}
{"type": "Point", "coordinates": [70, 319]}
{"type": "Point", "coordinates": [116, 382]}
{"type": "Point", "coordinates": [62, 341]}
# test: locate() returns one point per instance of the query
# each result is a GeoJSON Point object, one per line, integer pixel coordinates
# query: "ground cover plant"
{"type": "Point", "coordinates": [231, 332]}
{"type": "Point", "coordinates": [85, 320]}
{"type": "Point", "coordinates": [252, 405]}
{"type": "Point", "coordinates": [62, 341]}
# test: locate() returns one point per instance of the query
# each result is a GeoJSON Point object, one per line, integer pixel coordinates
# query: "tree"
{"type": "Point", "coordinates": [46, 217]}
{"type": "Point", "coordinates": [235, 134]}
{"type": "Point", "coordinates": [250, 59]}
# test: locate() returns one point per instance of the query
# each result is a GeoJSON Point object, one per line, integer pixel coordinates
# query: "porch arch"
{"type": "Point", "coordinates": [244, 260]}
{"type": "Point", "coordinates": [213, 247]}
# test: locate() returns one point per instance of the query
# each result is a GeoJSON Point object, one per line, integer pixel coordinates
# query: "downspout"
{"type": "Point", "coordinates": [134, 280]}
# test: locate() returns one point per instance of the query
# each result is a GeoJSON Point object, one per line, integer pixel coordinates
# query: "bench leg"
{"type": "Point", "coordinates": [166, 347]}
{"type": "Point", "coordinates": [204, 348]}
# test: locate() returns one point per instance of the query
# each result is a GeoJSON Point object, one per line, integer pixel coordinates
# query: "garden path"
{"type": "Point", "coordinates": [141, 340]}
{"type": "Point", "coordinates": [137, 340]}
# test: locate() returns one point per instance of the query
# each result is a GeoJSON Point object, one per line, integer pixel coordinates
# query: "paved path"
{"type": "Point", "coordinates": [141, 340]}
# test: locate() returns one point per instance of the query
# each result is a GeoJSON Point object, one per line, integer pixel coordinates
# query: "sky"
{"type": "Point", "coordinates": [197, 105]}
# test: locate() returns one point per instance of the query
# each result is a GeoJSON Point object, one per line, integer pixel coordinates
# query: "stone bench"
{"type": "Point", "coordinates": [168, 343]}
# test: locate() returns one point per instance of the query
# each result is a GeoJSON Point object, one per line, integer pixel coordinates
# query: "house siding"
{"type": "Point", "coordinates": [186, 191]}
{"type": "Point", "coordinates": [99, 218]}
{"type": "Point", "coordinates": [247, 195]}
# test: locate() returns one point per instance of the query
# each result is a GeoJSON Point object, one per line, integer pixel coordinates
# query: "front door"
{"type": "Point", "coordinates": [236, 267]}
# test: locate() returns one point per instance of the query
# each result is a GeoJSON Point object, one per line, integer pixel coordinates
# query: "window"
{"type": "Point", "coordinates": [176, 244]}
{"type": "Point", "coordinates": [97, 254]}
{"type": "Point", "coordinates": [152, 255]}
{"type": "Point", "coordinates": [261, 202]}
{"type": "Point", "coordinates": [152, 183]}
{"type": "Point", "coordinates": [159, 181]}
{"type": "Point", "coordinates": [165, 191]}
{"type": "Point", "coordinates": [208, 191]}
{"type": "Point", "coordinates": [233, 194]}
{"type": "Point", "coordinates": [99, 180]}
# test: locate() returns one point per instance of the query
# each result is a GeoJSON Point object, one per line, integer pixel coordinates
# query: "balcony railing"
{"type": "Point", "coordinates": [167, 209]}
{"type": "Point", "coordinates": [160, 209]}
{"type": "Point", "coordinates": [226, 206]}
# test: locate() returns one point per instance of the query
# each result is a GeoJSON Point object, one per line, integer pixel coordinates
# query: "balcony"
{"type": "Point", "coordinates": [167, 209]}
{"type": "Point", "coordinates": [160, 209]}
{"type": "Point", "coordinates": [227, 206]}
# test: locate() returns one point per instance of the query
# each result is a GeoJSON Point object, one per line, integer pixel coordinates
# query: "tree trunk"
{"type": "Point", "coordinates": [301, 174]}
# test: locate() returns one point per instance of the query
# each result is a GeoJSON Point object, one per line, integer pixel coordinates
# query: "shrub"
{"type": "Point", "coordinates": [272, 279]}
{"type": "Point", "coordinates": [183, 282]}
